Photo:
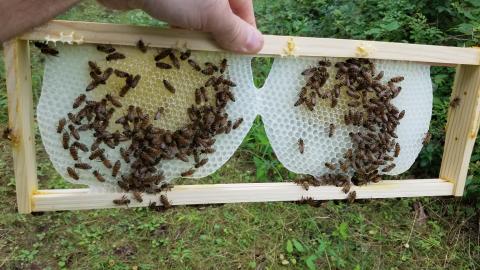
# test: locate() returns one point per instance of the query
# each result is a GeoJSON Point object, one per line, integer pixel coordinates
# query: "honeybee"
{"type": "Point", "coordinates": [194, 65]}
{"type": "Point", "coordinates": [203, 91]}
{"type": "Point", "coordinates": [73, 152]}
{"type": "Point", "coordinates": [162, 65]}
{"type": "Point", "coordinates": [164, 200]}
{"type": "Point", "coordinates": [301, 145]}
{"type": "Point", "coordinates": [83, 166]}
{"type": "Point", "coordinates": [309, 71]}
{"type": "Point", "coordinates": [208, 70]}
{"type": "Point", "coordinates": [174, 60]}
{"type": "Point", "coordinates": [141, 46]}
{"type": "Point", "coordinates": [354, 103]}
{"type": "Point", "coordinates": [121, 74]}
{"type": "Point", "coordinates": [208, 150]}
{"type": "Point", "coordinates": [106, 74]}
{"type": "Point", "coordinates": [106, 162]}
{"type": "Point", "coordinates": [427, 138]}
{"type": "Point", "coordinates": [45, 49]}
{"type": "Point", "coordinates": [80, 146]}
{"type": "Point", "coordinates": [388, 167]}
{"type": "Point", "coordinates": [352, 196]}
{"type": "Point", "coordinates": [401, 115]}
{"type": "Point", "coordinates": [346, 187]}
{"type": "Point", "coordinates": [72, 173]}
{"type": "Point", "coordinates": [237, 123]}
{"type": "Point", "coordinates": [122, 201]}
{"type": "Point", "coordinates": [302, 182]}
{"type": "Point", "coordinates": [324, 63]}
{"type": "Point", "coordinates": [79, 100]}
{"type": "Point", "coordinates": [397, 79]}
{"type": "Point", "coordinates": [113, 100]}
{"type": "Point", "coordinates": [187, 173]}
{"type": "Point", "coordinates": [211, 81]}
{"type": "Point", "coordinates": [99, 177]}
{"type": "Point", "coordinates": [74, 132]}
{"type": "Point", "coordinates": [93, 67]}
{"type": "Point", "coordinates": [166, 187]}
{"type": "Point", "coordinates": [201, 163]}
{"type": "Point", "coordinates": [169, 86]}
{"type": "Point", "coordinates": [92, 85]}
{"type": "Point", "coordinates": [185, 55]}
{"type": "Point", "coordinates": [65, 140]}
{"type": "Point", "coordinates": [182, 156]}
{"type": "Point", "coordinates": [379, 76]}
{"type": "Point", "coordinates": [198, 96]}
{"type": "Point", "coordinates": [116, 168]}
{"type": "Point", "coordinates": [106, 48]}
{"type": "Point", "coordinates": [229, 82]}
{"type": "Point", "coordinates": [397, 150]}
{"type": "Point", "coordinates": [61, 124]}
{"type": "Point", "coordinates": [334, 102]}
{"type": "Point", "coordinates": [96, 153]}
{"type": "Point", "coordinates": [137, 196]}
{"type": "Point", "coordinates": [331, 130]}
{"type": "Point", "coordinates": [331, 166]}
{"type": "Point", "coordinates": [124, 90]}
{"type": "Point", "coordinates": [455, 102]}
{"type": "Point", "coordinates": [162, 54]}
{"type": "Point", "coordinates": [115, 56]}
{"type": "Point", "coordinates": [132, 82]}
{"type": "Point", "coordinates": [344, 165]}
{"type": "Point", "coordinates": [223, 65]}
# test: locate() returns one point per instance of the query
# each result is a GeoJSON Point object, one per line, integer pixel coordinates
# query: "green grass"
{"type": "Point", "coordinates": [370, 234]}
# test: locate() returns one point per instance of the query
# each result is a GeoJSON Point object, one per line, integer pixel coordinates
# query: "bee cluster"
{"type": "Point", "coordinates": [142, 145]}
{"type": "Point", "coordinates": [369, 109]}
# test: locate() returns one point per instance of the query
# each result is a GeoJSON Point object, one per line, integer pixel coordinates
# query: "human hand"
{"type": "Point", "coordinates": [232, 22]}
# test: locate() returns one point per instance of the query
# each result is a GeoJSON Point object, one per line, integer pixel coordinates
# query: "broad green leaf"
{"type": "Point", "coordinates": [289, 246]}
{"type": "Point", "coordinates": [298, 246]}
{"type": "Point", "coordinates": [310, 262]}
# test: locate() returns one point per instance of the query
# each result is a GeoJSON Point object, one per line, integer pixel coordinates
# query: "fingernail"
{"type": "Point", "coordinates": [254, 42]}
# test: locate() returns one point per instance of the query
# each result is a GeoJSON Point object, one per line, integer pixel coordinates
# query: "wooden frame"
{"type": "Point", "coordinates": [462, 125]}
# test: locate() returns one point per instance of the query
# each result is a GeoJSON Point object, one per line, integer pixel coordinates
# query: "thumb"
{"type": "Point", "coordinates": [237, 35]}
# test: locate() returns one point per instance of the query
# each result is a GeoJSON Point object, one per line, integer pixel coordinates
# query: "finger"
{"type": "Point", "coordinates": [244, 10]}
{"type": "Point", "coordinates": [237, 35]}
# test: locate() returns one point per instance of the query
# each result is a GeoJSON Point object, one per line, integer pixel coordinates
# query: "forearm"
{"type": "Point", "coordinates": [19, 16]}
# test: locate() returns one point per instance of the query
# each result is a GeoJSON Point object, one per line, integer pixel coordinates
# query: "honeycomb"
{"type": "Point", "coordinates": [285, 124]}
{"type": "Point", "coordinates": [66, 77]}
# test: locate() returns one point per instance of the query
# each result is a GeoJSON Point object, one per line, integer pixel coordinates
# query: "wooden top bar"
{"type": "Point", "coordinates": [88, 32]}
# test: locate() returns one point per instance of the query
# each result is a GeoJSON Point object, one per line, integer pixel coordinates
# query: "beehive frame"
{"type": "Point", "coordinates": [462, 122]}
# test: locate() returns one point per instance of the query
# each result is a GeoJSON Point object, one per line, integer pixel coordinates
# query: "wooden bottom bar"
{"type": "Point", "coordinates": [81, 199]}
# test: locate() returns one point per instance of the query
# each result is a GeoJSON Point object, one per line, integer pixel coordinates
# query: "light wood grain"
{"type": "Point", "coordinates": [274, 45]}
{"type": "Point", "coordinates": [20, 120]}
{"type": "Point", "coordinates": [46, 200]}
{"type": "Point", "coordinates": [462, 127]}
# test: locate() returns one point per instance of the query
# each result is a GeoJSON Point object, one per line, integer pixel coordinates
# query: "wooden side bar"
{"type": "Point", "coordinates": [20, 120]}
{"type": "Point", "coordinates": [87, 32]}
{"type": "Point", "coordinates": [81, 199]}
{"type": "Point", "coordinates": [462, 127]}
